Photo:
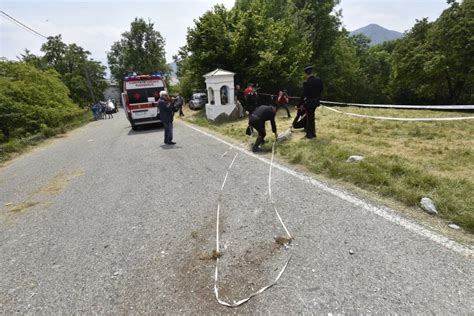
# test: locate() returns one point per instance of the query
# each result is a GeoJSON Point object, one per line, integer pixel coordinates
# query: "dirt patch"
{"type": "Point", "coordinates": [12, 211]}
{"type": "Point", "coordinates": [40, 197]}
{"type": "Point", "coordinates": [59, 182]}
{"type": "Point", "coordinates": [22, 206]}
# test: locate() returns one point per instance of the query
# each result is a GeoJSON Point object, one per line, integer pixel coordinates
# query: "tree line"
{"type": "Point", "coordinates": [269, 42]}
{"type": "Point", "coordinates": [43, 94]}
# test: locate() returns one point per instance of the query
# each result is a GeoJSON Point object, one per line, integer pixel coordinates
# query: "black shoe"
{"type": "Point", "coordinates": [171, 143]}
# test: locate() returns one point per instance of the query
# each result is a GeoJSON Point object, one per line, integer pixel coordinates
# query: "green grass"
{"type": "Point", "coordinates": [404, 161]}
{"type": "Point", "coordinates": [17, 145]}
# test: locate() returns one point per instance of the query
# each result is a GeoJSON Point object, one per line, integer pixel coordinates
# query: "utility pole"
{"type": "Point", "coordinates": [89, 82]}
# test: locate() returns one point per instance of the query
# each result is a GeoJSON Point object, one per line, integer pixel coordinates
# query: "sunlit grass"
{"type": "Point", "coordinates": [404, 161]}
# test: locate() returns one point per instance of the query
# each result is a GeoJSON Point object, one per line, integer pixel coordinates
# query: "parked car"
{"type": "Point", "coordinates": [198, 101]}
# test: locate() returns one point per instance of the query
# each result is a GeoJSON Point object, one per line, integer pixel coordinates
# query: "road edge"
{"type": "Point", "coordinates": [384, 212]}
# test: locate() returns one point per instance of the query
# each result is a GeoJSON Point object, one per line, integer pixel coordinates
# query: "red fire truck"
{"type": "Point", "coordinates": [139, 98]}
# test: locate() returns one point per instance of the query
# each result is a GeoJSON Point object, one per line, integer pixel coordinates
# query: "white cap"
{"type": "Point", "coordinates": [163, 93]}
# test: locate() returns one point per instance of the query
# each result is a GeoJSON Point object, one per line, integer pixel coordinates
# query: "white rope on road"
{"type": "Point", "coordinates": [387, 118]}
{"type": "Point", "coordinates": [217, 254]}
{"type": "Point", "coordinates": [270, 192]}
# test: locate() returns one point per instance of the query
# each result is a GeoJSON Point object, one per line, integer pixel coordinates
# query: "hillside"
{"type": "Point", "coordinates": [377, 33]}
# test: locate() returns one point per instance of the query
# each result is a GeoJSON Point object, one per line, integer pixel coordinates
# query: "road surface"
{"type": "Point", "coordinates": [107, 220]}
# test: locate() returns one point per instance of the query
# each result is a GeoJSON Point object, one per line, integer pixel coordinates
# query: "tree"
{"type": "Point", "coordinates": [434, 63]}
{"type": "Point", "coordinates": [72, 63]}
{"type": "Point", "coordinates": [208, 47]}
{"type": "Point", "coordinates": [140, 50]}
{"type": "Point", "coordinates": [33, 100]}
{"type": "Point", "coordinates": [256, 39]}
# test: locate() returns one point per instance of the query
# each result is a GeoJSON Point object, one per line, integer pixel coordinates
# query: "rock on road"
{"type": "Point", "coordinates": [107, 220]}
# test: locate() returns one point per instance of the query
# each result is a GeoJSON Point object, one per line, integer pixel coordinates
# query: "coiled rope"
{"type": "Point", "coordinates": [217, 254]}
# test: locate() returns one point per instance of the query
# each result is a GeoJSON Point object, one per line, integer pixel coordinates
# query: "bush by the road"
{"type": "Point", "coordinates": [34, 104]}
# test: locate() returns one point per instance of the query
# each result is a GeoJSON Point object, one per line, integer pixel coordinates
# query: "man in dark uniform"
{"type": "Point", "coordinates": [257, 120]}
{"type": "Point", "coordinates": [312, 88]}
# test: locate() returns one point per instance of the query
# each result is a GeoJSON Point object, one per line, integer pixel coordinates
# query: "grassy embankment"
{"type": "Point", "coordinates": [19, 144]}
{"type": "Point", "coordinates": [404, 161]}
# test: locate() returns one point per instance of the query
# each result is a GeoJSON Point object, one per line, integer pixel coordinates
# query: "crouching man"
{"type": "Point", "coordinates": [257, 120]}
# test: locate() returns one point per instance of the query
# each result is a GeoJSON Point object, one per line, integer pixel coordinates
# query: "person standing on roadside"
{"type": "Point", "coordinates": [312, 89]}
{"type": "Point", "coordinates": [179, 102]}
{"type": "Point", "coordinates": [250, 95]}
{"type": "Point", "coordinates": [238, 94]}
{"type": "Point", "coordinates": [282, 102]}
{"type": "Point", "coordinates": [166, 116]}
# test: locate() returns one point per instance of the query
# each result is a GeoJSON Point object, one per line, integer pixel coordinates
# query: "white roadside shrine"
{"type": "Point", "coordinates": [220, 95]}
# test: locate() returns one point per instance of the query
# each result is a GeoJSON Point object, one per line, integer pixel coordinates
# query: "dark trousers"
{"type": "Point", "coordinates": [310, 122]}
{"type": "Point", "coordinates": [181, 111]}
{"type": "Point", "coordinates": [168, 132]}
{"type": "Point", "coordinates": [300, 119]}
{"type": "Point", "coordinates": [284, 106]}
{"type": "Point", "coordinates": [260, 127]}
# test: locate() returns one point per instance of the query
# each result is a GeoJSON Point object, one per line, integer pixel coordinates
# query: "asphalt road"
{"type": "Point", "coordinates": [107, 220]}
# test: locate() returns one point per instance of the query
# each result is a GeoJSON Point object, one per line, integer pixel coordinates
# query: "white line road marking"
{"type": "Point", "coordinates": [384, 212]}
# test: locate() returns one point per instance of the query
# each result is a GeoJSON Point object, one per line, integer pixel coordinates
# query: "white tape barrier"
{"type": "Point", "coordinates": [398, 106]}
{"type": "Point", "coordinates": [387, 118]}
{"type": "Point", "coordinates": [216, 274]}
{"type": "Point", "coordinates": [391, 106]}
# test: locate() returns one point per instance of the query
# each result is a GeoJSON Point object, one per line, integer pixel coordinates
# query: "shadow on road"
{"type": "Point", "coordinates": [146, 129]}
{"type": "Point", "coordinates": [168, 147]}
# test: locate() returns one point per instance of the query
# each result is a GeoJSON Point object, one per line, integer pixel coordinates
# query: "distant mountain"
{"type": "Point", "coordinates": [377, 34]}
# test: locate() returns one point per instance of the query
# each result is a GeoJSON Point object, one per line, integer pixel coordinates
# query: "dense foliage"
{"type": "Point", "coordinates": [268, 42]}
{"type": "Point", "coordinates": [140, 50]}
{"type": "Point", "coordinates": [33, 101]}
{"type": "Point", "coordinates": [75, 68]}
{"type": "Point", "coordinates": [434, 63]}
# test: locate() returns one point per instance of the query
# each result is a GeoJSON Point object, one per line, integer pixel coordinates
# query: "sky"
{"type": "Point", "coordinates": [96, 24]}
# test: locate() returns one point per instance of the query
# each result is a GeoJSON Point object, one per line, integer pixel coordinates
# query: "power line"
{"type": "Point", "coordinates": [23, 25]}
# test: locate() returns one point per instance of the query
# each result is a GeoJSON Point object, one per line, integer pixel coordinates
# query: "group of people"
{"type": "Point", "coordinates": [258, 115]}
{"type": "Point", "coordinates": [104, 109]}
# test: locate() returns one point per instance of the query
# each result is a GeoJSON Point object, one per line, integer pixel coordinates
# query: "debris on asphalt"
{"type": "Point", "coordinates": [216, 254]}
{"type": "Point", "coordinates": [212, 256]}
{"type": "Point", "coordinates": [351, 252]}
{"type": "Point", "coordinates": [428, 206]}
{"type": "Point", "coordinates": [282, 240]}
